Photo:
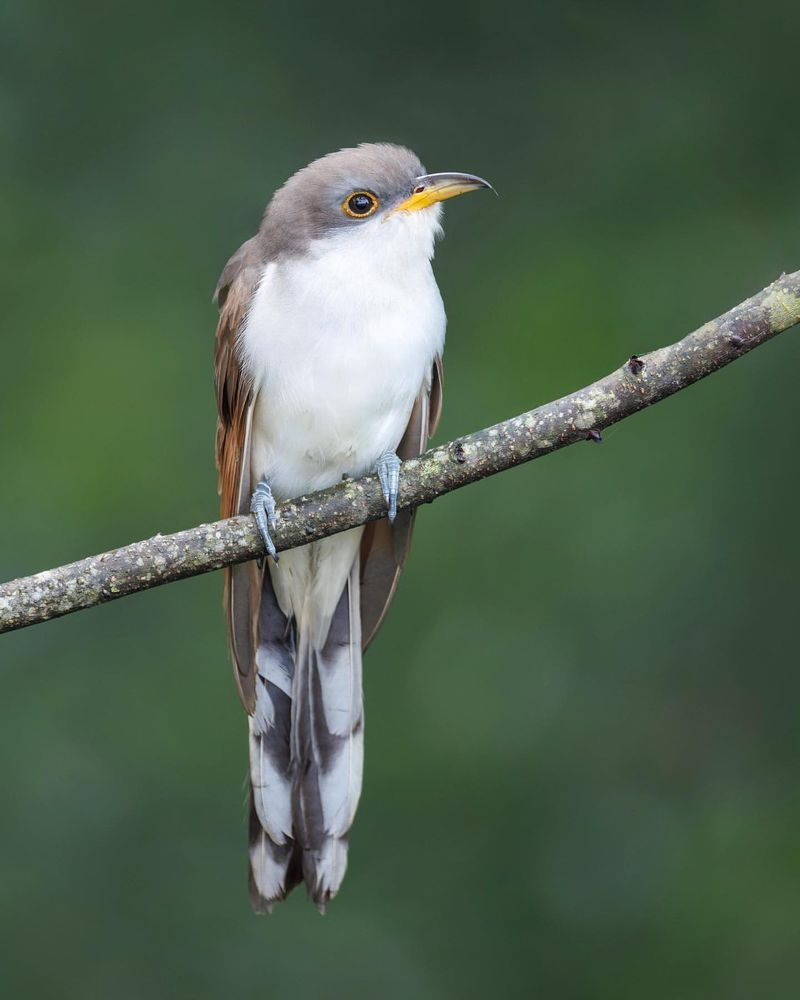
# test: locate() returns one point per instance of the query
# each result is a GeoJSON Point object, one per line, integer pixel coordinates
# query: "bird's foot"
{"type": "Point", "coordinates": [388, 469]}
{"type": "Point", "coordinates": [262, 506]}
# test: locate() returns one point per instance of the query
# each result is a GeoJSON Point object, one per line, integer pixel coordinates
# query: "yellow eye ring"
{"type": "Point", "coordinates": [360, 204]}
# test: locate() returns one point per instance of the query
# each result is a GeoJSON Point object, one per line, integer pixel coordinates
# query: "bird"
{"type": "Point", "coordinates": [328, 365]}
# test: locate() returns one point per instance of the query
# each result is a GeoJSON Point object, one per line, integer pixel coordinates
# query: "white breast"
{"type": "Point", "coordinates": [339, 342]}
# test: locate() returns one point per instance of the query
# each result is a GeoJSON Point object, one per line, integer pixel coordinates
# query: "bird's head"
{"type": "Point", "coordinates": [376, 193]}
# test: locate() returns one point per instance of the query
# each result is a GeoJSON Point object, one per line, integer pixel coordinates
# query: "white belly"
{"type": "Point", "coordinates": [339, 346]}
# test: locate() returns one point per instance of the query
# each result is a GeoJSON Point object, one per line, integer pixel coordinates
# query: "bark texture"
{"type": "Point", "coordinates": [580, 416]}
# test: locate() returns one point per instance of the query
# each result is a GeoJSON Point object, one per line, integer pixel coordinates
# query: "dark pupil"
{"type": "Point", "coordinates": [360, 204]}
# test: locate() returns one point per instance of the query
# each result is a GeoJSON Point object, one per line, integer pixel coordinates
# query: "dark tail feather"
{"type": "Point", "coordinates": [267, 858]}
{"type": "Point", "coordinates": [273, 872]}
{"type": "Point", "coordinates": [328, 745]}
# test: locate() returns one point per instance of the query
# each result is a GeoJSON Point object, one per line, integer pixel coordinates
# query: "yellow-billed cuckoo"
{"type": "Point", "coordinates": [328, 364]}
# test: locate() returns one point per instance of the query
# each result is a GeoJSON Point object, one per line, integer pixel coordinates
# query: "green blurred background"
{"type": "Point", "coordinates": [582, 751]}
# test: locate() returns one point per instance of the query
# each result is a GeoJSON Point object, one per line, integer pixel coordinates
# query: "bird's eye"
{"type": "Point", "coordinates": [359, 204]}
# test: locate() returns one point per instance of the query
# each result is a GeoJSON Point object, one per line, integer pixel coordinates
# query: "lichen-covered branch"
{"type": "Point", "coordinates": [582, 415]}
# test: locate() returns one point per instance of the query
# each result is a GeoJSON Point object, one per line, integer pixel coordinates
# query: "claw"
{"type": "Point", "coordinates": [388, 469]}
{"type": "Point", "coordinates": [262, 506]}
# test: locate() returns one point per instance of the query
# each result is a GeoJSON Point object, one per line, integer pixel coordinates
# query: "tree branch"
{"type": "Point", "coordinates": [577, 417]}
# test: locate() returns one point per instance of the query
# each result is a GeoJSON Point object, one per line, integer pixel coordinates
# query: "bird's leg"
{"type": "Point", "coordinates": [262, 505]}
{"type": "Point", "coordinates": [388, 469]}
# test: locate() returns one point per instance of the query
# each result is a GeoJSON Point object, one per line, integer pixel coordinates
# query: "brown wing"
{"type": "Point", "coordinates": [234, 412]}
{"type": "Point", "coordinates": [384, 547]}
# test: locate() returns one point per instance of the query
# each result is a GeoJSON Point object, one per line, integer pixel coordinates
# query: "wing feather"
{"type": "Point", "coordinates": [384, 546]}
{"type": "Point", "coordinates": [234, 392]}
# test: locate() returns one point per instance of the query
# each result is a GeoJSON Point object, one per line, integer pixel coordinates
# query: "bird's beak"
{"type": "Point", "coordinates": [431, 188]}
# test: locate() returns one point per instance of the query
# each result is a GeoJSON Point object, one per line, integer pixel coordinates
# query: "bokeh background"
{"type": "Point", "coordinates": [582, 747]}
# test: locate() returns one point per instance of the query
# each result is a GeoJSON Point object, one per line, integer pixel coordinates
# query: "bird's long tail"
{"type": "Point", "coordinates": [306, 742]}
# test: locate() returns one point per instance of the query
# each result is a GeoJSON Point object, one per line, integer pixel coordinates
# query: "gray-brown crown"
{"type": "Point", "coordinates": [309, 205]}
